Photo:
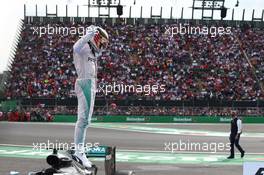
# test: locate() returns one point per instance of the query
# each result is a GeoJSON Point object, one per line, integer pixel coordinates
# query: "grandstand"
{"type": "Point", "coordinates": [200, 74]}
{"type": "Point", "coordinates": [193, 68]}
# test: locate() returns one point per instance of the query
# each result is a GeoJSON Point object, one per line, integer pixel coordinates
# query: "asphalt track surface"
{"type": "Point", "coordinates": [140, 147]}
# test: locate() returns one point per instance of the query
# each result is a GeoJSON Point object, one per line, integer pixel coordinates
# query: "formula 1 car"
{"type": "Point", "coordinates": [66, 163]}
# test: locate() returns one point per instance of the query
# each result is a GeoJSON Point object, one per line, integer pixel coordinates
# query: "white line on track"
{"type": "Point", "coordinates": [14, 145]}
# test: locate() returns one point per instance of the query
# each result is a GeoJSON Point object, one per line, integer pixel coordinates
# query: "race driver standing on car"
{"type": "Point", "coordinates": [85, 53]}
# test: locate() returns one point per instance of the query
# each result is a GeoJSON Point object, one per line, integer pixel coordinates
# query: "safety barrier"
{"type": "Point", "coordinates": [161, 119]}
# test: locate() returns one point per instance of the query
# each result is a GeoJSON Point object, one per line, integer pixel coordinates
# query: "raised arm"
{"type": "Point", "coordinates": [77, 47]}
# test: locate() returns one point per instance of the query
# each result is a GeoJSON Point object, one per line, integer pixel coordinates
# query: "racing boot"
{"type": "Point", "coordinates": [83, 160]}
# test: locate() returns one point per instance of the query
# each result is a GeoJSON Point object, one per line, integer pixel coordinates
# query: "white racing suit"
{"type": "Point", "coordinates": [85, 62]}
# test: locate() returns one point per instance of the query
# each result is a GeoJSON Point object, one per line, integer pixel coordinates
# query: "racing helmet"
{"type": "Point", "coordinates": [100, 39]}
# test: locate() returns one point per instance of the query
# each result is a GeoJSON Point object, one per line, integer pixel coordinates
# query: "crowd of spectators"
{"type": "Point", "coordinates": [228, 67]}
{"type": "Point", "coordinates": [32, 114]}
{"type": "Point", "coordinates": [46, 113]}
{"type": "Point", "coordinates": [253, 46]}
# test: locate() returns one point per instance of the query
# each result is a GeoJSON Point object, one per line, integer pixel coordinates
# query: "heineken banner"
{"type": "Point", "coordinates": [161, 119]}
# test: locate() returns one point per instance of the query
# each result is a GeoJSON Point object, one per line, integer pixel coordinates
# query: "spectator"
{"type": "Point", "coordinates": [190, 66]}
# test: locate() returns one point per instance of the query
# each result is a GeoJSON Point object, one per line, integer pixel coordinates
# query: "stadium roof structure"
{"type": "Point", "coordinates": [108, 9]}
